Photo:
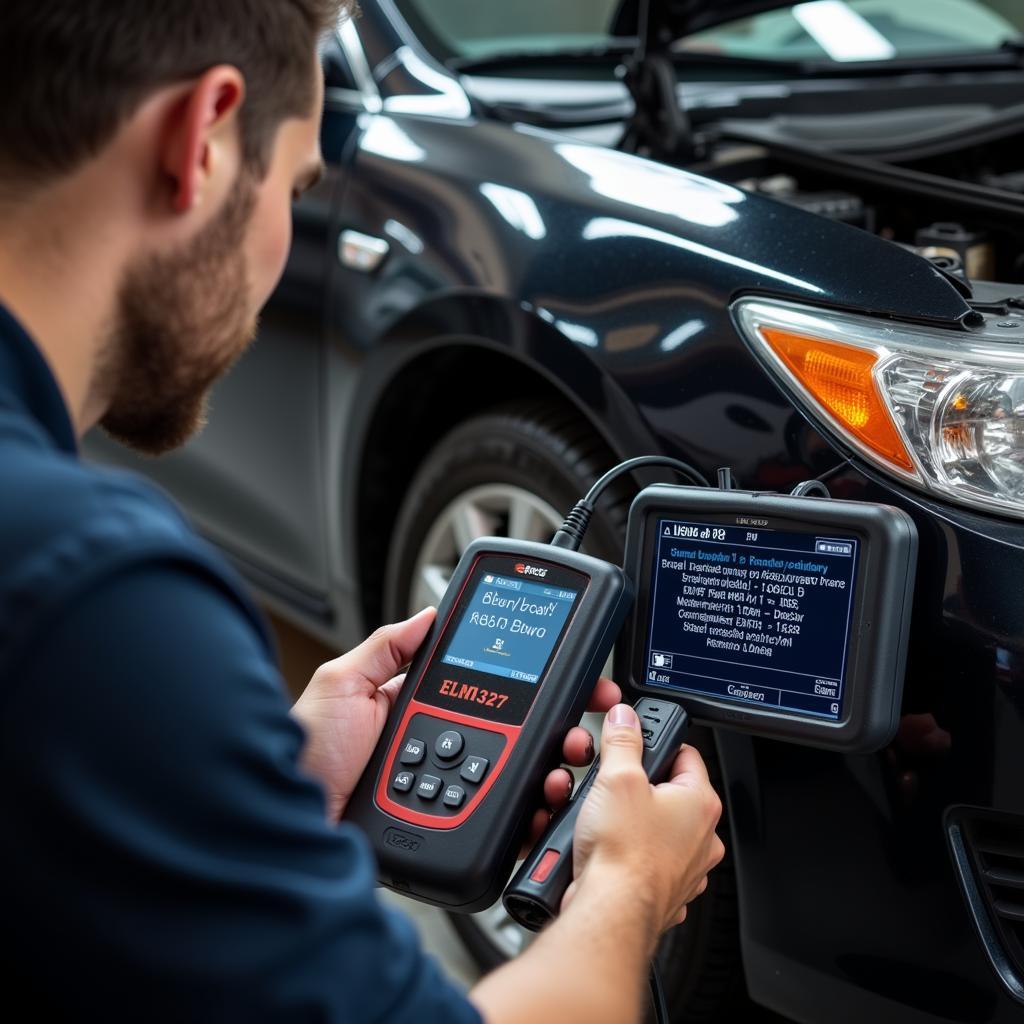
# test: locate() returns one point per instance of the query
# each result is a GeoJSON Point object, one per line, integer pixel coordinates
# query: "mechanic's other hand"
{"type": "Point", "coordinates": [660, 840]}
{"type": "Point", "coordinates": [344, 708]}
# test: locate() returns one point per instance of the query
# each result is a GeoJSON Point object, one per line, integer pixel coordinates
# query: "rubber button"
{"type": "Point", "coordinates": [413, 751]}
{"type": "Point", "coordinates": [453, 796]}
{"type": "Point", "coordinates": [403, 781]}
{"type": "Point", "coordinates": [429, 787]}
{"type": "Point", "coordinates": [475, 768]}
{"type": "Point", "coordinates": [449, 744]}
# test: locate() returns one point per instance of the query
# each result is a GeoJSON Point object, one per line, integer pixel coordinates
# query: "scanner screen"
{"type": "Point", "coordinates": [509, 627]}
{"type": "Point", "coordinates": [752, 616]}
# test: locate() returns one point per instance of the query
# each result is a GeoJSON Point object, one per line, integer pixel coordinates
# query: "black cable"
{"type": "Point", "coordinates": [570, 536]}
{"type": "Point", "coordinates": [629, 465]}
{"type": "Point", "coordinates": [829, 473]}
{"type": "Point", "coordinates": [658, 994]}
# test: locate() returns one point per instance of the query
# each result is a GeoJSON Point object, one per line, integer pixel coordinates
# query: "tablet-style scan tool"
{"type": "Point", "coordinates": [785, 616]}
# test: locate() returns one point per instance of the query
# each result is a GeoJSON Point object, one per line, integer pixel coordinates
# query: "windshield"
{"type": "Point", "coordinates": [830, 30]}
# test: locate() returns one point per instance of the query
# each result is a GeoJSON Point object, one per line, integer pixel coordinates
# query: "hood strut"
{"type": "Point", "coordinates": [659, 127]}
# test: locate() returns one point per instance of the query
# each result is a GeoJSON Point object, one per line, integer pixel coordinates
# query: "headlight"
{"type": "Point", "coordinates": [943, 410]}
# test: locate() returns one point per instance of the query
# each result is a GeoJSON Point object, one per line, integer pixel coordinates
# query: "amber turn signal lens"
{"type": "Point", "coordinates": [840, 378]}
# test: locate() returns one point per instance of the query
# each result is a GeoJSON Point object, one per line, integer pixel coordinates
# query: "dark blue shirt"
{"type": "Point", "coordinates": [164, 856]}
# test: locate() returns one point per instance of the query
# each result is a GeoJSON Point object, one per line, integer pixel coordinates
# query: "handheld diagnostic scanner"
{"type": "Point", "coordinates": [520, 637]}
{"type": "Point", "coordinates": [519, 640]}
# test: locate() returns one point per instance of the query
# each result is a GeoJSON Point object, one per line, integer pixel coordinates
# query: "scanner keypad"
{"type": "Point", "coordinates": [451, 761]}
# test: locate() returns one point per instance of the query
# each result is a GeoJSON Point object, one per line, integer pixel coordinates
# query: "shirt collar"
{"type": "Point", "coordinates": [27, 383]}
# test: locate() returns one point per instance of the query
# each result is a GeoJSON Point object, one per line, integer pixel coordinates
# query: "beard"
{"type": "Point", "coordinates": [183, 319]}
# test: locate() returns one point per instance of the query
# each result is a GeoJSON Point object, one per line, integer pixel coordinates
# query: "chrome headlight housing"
{"type": "Point", "coordinates": [940, 409]}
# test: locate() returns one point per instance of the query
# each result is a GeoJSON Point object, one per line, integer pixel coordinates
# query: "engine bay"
{"type": "Point", "coordinates": [959, 248]}
{"type": "Point", "coordinates": [963, 210]}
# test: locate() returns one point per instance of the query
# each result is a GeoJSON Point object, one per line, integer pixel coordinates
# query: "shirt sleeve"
{"type": "Point", "coordinates": [167, 858]}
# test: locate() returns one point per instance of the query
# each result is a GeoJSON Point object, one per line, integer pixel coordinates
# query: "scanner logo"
{"type": "Point", "coordinates": [408, 841]}
{"type": "Point", "coordinates": [530, 570]}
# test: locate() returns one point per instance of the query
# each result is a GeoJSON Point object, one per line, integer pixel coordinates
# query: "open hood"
{"type": "Point", "coordinates": [677, 18]}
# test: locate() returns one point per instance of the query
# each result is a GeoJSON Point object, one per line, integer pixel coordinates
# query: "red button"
{"type": "Point", "coordinates": [543, 869]}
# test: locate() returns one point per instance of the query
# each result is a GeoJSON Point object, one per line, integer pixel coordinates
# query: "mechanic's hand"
{"type": "Point", "coordinates": [346, 703]}
{"type": "Point", "coordinates": [659, 840]}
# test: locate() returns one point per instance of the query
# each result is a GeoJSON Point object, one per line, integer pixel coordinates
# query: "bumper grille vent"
{"type": "Point", "coordinates": [988, 852]}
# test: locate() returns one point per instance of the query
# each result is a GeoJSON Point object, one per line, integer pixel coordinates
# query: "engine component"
{"type": "Point", "coordinates": [972, 248]}
{"type": "Point", "coordinates": [833, 204]}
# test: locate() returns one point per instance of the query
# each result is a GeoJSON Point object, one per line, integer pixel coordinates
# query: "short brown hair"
{"type": "Point", "coordinates": [72, 71]}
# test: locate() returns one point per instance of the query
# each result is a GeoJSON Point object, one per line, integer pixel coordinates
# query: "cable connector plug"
{"type": "Point", "coordinates": [809, 487]}
{"type": "Point", "coordinates": [570, 534]}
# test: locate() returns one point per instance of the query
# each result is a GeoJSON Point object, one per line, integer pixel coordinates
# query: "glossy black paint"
{"type": "Point", "coordinates": [526, 263]}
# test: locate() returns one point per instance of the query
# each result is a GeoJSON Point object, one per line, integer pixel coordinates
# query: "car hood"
{"type": "Point", "coordinates": [678, 18]}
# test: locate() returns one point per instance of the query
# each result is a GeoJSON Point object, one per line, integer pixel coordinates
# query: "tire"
{"type": "Point", "coordinates": [547, 455]}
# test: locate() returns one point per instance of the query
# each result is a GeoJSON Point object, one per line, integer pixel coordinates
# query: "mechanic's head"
{"type": "Point", "coordinates": [176, 134]}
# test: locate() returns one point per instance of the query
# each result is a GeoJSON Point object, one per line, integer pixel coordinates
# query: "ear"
{"type": "Point", "coordinates": [201, 140]}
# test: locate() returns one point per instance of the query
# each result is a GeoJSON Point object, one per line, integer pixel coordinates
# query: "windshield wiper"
{"type": "Point", "coordinates": [617, 51]}
{"type": "Point", "coordinates": [603, 55]}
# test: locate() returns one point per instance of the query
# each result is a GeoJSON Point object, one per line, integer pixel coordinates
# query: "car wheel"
{"type": "Point", "coordinates": [516, 472]}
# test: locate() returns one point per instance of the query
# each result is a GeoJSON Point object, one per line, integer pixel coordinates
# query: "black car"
{"type": "Point", "coordinates": [553, 236]}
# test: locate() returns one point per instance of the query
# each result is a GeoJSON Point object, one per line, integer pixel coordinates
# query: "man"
{"type": "Point", "coordinates": [172, 848]}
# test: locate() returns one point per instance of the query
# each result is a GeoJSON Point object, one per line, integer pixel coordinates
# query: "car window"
{"type": "Point", "coordinates": [476, 28]}
{"type": "Point", "coordinates": [839, 30]}
{"type": "Point", "coordinates": [848, 30]}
